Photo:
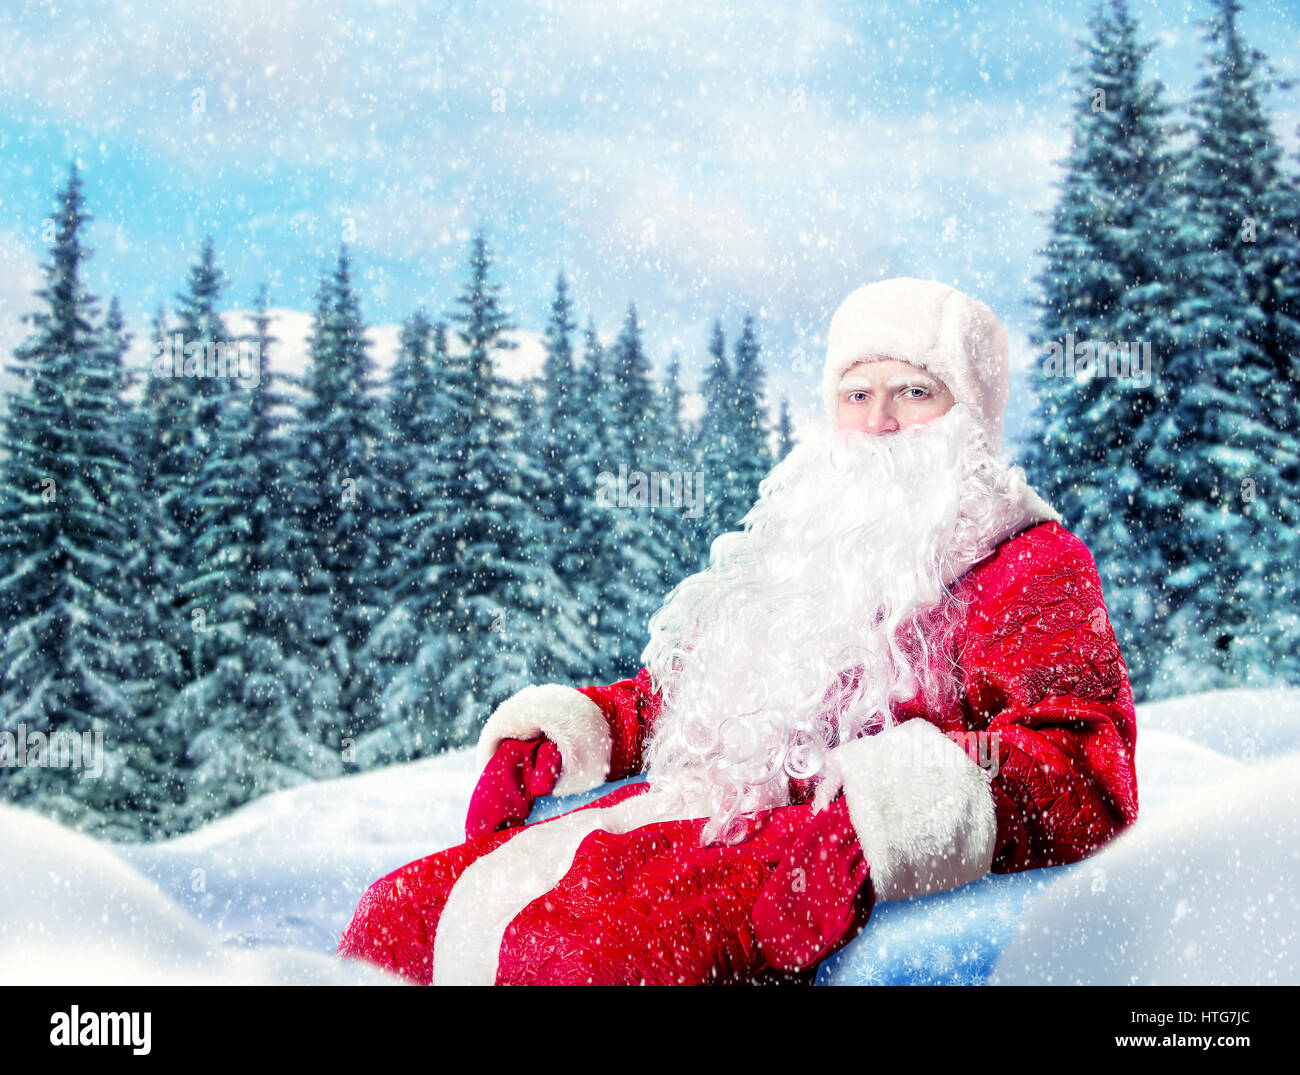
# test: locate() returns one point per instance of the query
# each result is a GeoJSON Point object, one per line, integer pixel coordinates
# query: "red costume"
{"type": "Point", "coordinates": [1030, 766]}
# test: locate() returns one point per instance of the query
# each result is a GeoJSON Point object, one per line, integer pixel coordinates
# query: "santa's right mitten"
{"type": "Point", "coordinates": [519, 772]}
{"type": "Point", "coordinates": [545, 739]}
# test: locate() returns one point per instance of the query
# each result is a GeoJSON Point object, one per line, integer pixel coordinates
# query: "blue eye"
{"type": "Point", "coordinates": [925, 392]}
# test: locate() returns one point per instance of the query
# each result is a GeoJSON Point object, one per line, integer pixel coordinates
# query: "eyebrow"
{"type": "Point", "coordinates": [918, 378]}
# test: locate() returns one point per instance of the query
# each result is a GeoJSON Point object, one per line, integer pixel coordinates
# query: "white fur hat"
{"type": "Point", "coordinates": [930, 325]}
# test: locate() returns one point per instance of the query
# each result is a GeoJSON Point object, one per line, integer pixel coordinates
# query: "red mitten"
{"type": "Point", "coordinates": [520, 771]}
{"type": "Point", "coordinates": [819, 896]}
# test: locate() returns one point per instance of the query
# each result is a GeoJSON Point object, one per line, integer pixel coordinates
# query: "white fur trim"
{"type": "Point", "coordinates": [495, 888]}
{"type": "Point", "coordinates": [922, 809]}
{"type": "Point", "coordinates": [566, 716]}
{"type": "Point", "coordinates": [1039, 510]}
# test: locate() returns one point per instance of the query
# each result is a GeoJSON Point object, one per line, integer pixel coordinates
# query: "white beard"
{"type": "Point", "coordinates": [829, 607]}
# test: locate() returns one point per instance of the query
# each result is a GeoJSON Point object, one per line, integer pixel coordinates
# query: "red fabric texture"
{"type": "Point", "coordinates": [819, 897]}
{"type": "Point", "coordinates": [396, 921]}
{"type": "Point", "coordinates": [630, 707]}
{"type": "Point", "coordinates": [1043, 690]}
{"type": "Point", "coordinates": [519, 772]}
{"type": "Point", "coordinates": [652, 907]}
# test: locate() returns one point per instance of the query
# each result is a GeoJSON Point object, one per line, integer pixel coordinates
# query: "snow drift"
{"type": "Point", "coordinates": [75, 913]}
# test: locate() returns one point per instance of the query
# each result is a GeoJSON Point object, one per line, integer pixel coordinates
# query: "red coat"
{"type": "Point", "coordinates": [598, 895]}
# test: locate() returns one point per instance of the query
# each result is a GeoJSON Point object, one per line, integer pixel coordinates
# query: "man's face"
{"type": "Point", "coordinates": [886, 396]}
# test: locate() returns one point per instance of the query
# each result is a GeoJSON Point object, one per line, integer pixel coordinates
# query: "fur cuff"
{"type": "Point", "coordinates": [569, 719]}
{"type": "Point", "coordinates": [922, 809]}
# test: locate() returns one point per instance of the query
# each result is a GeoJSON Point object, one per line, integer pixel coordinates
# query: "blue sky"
{"type": "Point", "coordinates": [701, 159]}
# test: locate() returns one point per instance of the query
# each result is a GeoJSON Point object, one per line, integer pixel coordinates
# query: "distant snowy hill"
{"type": "Point", "coordinates": [1203, 889]}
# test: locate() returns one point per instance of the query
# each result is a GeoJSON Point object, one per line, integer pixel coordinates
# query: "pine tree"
{"type": "Point", "coordinates": [785, 439]}
{"type": "Point", "coordinates": [560, 497]}
{"type": "Point", "coordinates": [506, 618]}
{"type": "Point", "coordinates": [204, 501]}
{"type": "Point", "coordinates": [753, 454]}
{"type": "Point", "coordinates": [600, 586]}
{"type": "Point", "coordinates": [64, 667]}
{"type": "Point", "coordinates": [717, 447]}
{"type": "Point", "coordinates": [1222, 451]}
{"type": "Point", "coordinates": [681, 512]}
{"type": "Point", "coordinates": [645, 565]}
{"type": "Point", "coordinates": [1107, 278]}
{"type": "Point", "coordinates": [165, 427]}
{"type": "Point", "coordinates": [425, 395]}
{"type": "Point", "coordinates": [338, 504]}
{"type": "Point", "coordinates": [673, 405]}
{"type": "Point", "coordinates": [409, 437]}
{"type": "Point", "coordinates": [160, 416]}
{"type": "Point", "coordinates": [205, 341]}
{"type": "Point", "coordinates": [597, 402]}
{"type": "Point", "coordinates": [248, 718]}
{"type": "Point", "coordinates": [1286, 351]}
{"type": "Point", "coordinates": [146, 588]}
{"type": "Point", "coordinates": [632, 390]}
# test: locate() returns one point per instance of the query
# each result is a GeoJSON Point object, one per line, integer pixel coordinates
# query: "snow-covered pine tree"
{"type": "Point", "coordinates": [164, 425]}
{"type": "Point", "coordinates": [205, 504]}
{"type": "Point", "coordinates": [422, 702]}
{"type": "Point", "coordinates": [596, 400]}
{"type": "Point", "coordinates": [598, 587]}
{"type": "Point", "coordinates": [160, 414]}
{"type": "Point", "coordinates": [506, 618]}
{"type": "Point", "coordinates": [337, 503]}
{"type": "Point", "coordinates": [680, 522]}
{"type": "Point", "coordinates": [567, 410]}
{"type": "Point", "coordinates": [1286, 352]}
{"type": "Point", "coordinates": [203, 338]}
{"type": "Point", "coordinates": [408, 436]}
{"type": "Point", "coordinates": [645, 567]}
{"type": "Point", "coordinates": [674, 403]}
{"type": "Point", "coordinates": [408, 440]}
{"type": "Point", "coordinates": [632, 389]}
{"type": "Point", "coordinates": [1106, 279]}
{"type": "Point", "coordinates": [1222, 450]}
{"type": "Point", "coordinates": [427, 398]}
{"type": "Point", "coordinates": [65, 669]}
{"type": "Point", "coordinates": [752, 458]}
{"type": "Point", "coordinates": [275, 537]}
{"type": "Point", "coordinates": [248, 718]}
{"type": "Point", "coordinates": [286, 617]}
{"type": "Point", "coordinates": [147, 586]}
{"type": "Point", "coordinates": [1284, 276]}
{"type": "Point", "coordinates": [785, 438]}
{"type": "Point", "coordinates": [716, 448]}
{"type": "Point", "coordinates": [560, 497]}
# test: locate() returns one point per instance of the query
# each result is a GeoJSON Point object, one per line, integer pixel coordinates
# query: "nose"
{"type": "Point", "coordinates": [879, 418]}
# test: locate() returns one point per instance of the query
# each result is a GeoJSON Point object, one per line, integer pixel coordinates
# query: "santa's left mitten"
{"type": "Point", "coordinates": [819, 897]}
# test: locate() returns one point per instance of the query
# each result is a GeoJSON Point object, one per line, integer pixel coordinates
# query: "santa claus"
{"type": "Point", "coordinates": [898, 676]}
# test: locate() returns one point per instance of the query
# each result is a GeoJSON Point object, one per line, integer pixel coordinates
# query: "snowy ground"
{"type": "Point", "coordinates": [1202, 890]}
